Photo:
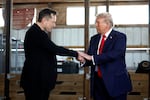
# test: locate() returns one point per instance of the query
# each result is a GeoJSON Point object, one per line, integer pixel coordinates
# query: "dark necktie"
{"type": "Point", "coordinates": [100, 51]}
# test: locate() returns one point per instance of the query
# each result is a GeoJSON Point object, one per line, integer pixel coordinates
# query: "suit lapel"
{"type": "Point", "coordinates": [109, 40]}
{"type": "Point", "coordinates": [97, 43]}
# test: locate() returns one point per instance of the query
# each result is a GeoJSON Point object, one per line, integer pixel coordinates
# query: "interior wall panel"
{"type": "Point", "coordinates": [75, 37]}
{"type": "Point", "coordinates": [136, 32]}
{"type": "Point", "coordinates": [144, 36]}
{"type": "Point", "coordinates": [128, 32]}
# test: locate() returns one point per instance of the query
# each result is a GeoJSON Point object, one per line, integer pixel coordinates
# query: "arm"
{"type": "Point", "coordinates": [116, 50]}
{"type": "Point", "coordinates": [52, 48]}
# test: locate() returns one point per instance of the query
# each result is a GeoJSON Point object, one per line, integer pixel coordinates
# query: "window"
{"type": "Point", "coordinates": [129, 14]}
{"type": "Point", "coordinates": [1, 18]}
{"type": "Point", "coordinates": [76, 15]}
{"type": "Point", "coordinates": [122, 14]}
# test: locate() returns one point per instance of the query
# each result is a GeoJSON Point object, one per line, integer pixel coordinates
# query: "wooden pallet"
{"type": "Point", "coordinates": [16, 92]}
{"type": "Point", "coordinates": [140, 84]}
{"type": "Point", "coordinates": [1, 85]}
{"type": "Point", "coordinates": [68, 87]}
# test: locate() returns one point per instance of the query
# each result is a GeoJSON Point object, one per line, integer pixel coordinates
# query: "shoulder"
{"type": "Point", "coordinates": [34, 27]}
{"type": "Point", "coordinates": [118, 33]}
{"type": "Point", "coordinates": [96, 36]}
{"type": "Point", "coordinates": [35, 31]}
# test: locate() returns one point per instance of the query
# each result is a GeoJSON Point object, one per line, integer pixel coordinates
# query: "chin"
{"type": "Point", "coordinates": [49, 30]}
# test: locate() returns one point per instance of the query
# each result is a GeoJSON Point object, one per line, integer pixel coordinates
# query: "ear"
{"type": "Point", "coordinates": [44, 21]}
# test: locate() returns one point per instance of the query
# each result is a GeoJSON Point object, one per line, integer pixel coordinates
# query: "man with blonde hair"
{"type": "Point", "coordinates": [109, 76]}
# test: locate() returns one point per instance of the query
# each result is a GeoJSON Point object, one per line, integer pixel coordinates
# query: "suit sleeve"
{"type": "Point", "coordinates": [52, 48]}
{"type": "Point", "coordinates": [89, 52]}
{"type": "Point", "coordinates": [116, 51]}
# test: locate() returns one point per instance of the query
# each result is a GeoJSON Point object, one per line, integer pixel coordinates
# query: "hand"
{"type": "Point", "coordinates": [80, 58]}
{"type": "Point", "coordinates": [86, 56]}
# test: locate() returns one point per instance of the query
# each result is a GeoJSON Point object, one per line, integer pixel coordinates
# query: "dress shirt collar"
{"type": "Point", "coordinates": [108, 32]}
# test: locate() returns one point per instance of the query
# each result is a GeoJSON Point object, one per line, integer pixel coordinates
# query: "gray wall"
{"type": "Point", "coordinates": [136, 36]}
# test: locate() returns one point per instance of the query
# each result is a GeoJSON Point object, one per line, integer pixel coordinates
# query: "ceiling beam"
{"type": "Point", "coordinates": [67, 1]}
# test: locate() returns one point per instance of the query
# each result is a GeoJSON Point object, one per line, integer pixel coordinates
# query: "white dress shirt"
{"type": "Point", "coordinates": [106, 34]}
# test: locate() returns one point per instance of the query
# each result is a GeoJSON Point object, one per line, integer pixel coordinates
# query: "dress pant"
{"type": "Point", "coordinates": [36, 93]}
{"type": "Point", "coordinates": [100, 91]}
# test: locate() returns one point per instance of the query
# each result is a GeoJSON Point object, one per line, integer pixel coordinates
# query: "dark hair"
{"type": "Point", "coordinates": [46, 13]}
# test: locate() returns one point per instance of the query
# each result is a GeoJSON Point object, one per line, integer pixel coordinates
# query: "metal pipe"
{"type": "Point", "coordinates": [149, 27]}
{"type": "Point", "coordinates": [8, 5]}
{"type": "Point", "coordinates": [86, 94]}
{"type": "Point", "coordinates": [86, 26]}
{"type": "Point", "coordinates": [149, 47]}
{"type": "Point", "coordinates": [107, 5]}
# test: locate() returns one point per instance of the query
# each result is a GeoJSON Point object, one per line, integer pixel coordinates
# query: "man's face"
{"type": "Point", "coordinates": [101, 25]}
{"type": "Point", "coordinates": [50, 23]}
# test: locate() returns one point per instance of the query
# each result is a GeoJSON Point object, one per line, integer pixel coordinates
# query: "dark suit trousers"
{"type": "Point", "coordinates": [36, 93]}
{"type": "Point", "coordinates": [100, 92]}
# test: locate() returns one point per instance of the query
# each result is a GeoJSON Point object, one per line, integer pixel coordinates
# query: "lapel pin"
{"type": "Point", "coordinates": [110, 37]}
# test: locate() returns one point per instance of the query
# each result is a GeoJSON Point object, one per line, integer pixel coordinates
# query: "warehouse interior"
{"type": "Point", "coordinates": [74, 27]}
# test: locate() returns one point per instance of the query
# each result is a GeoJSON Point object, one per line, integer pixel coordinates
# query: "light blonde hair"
{"type": "Point", "coordinates": [107, 16]}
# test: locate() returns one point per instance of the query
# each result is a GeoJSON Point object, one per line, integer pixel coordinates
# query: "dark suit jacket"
{"type": "Point", "coordinates": [111, 62]}
{"type": "Point", "coordinates": [40, 59]}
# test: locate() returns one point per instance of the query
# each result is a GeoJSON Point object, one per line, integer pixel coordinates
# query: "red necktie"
{"type": "Point", "coordinates": [100, 51]}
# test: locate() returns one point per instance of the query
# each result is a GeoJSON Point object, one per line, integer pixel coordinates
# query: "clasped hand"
{"type": "Point", "coordinates": [82, 56]}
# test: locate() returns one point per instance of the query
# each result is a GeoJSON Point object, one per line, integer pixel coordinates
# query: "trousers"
{"type": "Point", "coordinates": [100, 91]}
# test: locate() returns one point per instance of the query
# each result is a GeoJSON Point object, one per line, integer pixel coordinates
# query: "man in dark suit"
{"type": "Point", "coordinates": [109, 76]}
{"type": "Point", "coordinates": [39, 72]}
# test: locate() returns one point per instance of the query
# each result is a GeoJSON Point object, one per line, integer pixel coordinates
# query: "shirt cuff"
{"type": "Point", "coordinates": [93, 60]}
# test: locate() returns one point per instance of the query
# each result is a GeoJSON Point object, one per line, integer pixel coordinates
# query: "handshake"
{"type": "Point", "coordinates": [83, 56]}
